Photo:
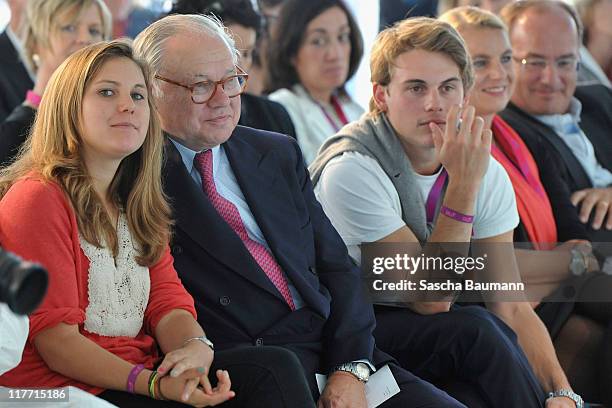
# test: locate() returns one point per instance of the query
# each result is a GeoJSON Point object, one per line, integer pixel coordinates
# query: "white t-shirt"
{"type": "Point", "coordinates": [363, 205]}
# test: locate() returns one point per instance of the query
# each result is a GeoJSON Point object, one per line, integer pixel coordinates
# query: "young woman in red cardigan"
{"type": "Point", "coordinates": [84, 199]}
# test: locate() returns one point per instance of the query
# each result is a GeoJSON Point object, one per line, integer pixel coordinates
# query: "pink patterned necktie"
{"type": "Point", "coordinates": [230, 214]}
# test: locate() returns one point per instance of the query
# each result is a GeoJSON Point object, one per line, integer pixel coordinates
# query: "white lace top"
{"type": "Point", "coordinates": [118, 293]}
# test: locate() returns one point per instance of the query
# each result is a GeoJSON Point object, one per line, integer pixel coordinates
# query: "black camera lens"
{"type": "Point", "coordinates": [22, 284]}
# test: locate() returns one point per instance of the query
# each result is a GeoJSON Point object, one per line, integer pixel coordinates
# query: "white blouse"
{"type": "Point", "coordinates": [312, 126]}
{"type": "Point", "coordinates": [118, 289]}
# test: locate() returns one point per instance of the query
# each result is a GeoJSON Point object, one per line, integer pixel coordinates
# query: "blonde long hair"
{"type": "Point", "coordinates": [53, 152]}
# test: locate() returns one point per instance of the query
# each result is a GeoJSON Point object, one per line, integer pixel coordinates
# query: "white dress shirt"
{"type": "Point", "coordinates": [568, 128]}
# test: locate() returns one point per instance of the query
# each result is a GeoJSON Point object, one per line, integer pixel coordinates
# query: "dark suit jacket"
{"type": "Point", "coordinates": [14, 78]}
{"type": "Point", "coordinates": [565, 214]}
{"type": "Point", "coordinates": [14, 131]}
{"type": "Point", "coordinates": [236, 303]}
{"type": "Point", "coordinates": [595, 121]}
{"type": "Point", "coordinates": [261, 113]}
{"type": "Point", "coordinates": [560, 171]}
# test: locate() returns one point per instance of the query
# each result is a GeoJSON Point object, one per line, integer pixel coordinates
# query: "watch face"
{"type": "Point", "coordinates": [363, 371]}
{"type": "Point", "coordinates": [577, 264]}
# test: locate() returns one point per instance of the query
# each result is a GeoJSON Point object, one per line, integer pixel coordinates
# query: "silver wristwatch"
{"type": "Point", "coordinates": [578, 263]}
{"type": "Point", "coordinates": [568, 394]}
{"type": "Point", "coordinates": [203, 339]}
{"type": "Point", "coordinates": [359, 370]}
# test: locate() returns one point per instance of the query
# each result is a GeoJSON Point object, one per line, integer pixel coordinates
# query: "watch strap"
{"type": "Point", "coordinates": [353, 368]}
{"type": "Point", "coordinates": [568, 394]}
{"type": "Point", "coordinates": [203, 339]}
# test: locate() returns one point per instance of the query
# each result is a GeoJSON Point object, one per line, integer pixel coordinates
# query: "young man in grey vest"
{"type": "Point", "coordinates": [374, 179]}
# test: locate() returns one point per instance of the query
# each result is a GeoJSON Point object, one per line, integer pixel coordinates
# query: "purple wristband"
{"type": "Point", "coordinates": [457, 216]}
{"type": "Point", "coordinates": [131, 381]}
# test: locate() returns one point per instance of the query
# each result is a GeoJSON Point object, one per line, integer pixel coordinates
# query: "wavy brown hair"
{"type": "Point", "coordinates": [53, 152]}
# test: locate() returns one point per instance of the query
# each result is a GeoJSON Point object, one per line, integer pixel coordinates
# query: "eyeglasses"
{"type": "Point", "coordinates": [538, 64]}
{"type": "Point", "coordinates": [202, 92]}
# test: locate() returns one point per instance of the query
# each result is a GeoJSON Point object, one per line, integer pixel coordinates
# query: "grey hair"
{"type": "Point", "coordinates": [149, 44]}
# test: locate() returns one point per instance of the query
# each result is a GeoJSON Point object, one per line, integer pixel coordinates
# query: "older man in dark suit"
{"type": "Point", "coordinates": [251, 242]}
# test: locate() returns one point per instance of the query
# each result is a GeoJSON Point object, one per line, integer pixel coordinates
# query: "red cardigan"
{"type": "Point", "coordinates": [37, 222]}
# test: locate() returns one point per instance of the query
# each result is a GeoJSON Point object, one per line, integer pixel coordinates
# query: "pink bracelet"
{"type": "Point", "coordinates": [457, 216]}
{"type": "Point", "coordinates": [33, 98]}
{"type": "Point", "coordinates": [131, 381]}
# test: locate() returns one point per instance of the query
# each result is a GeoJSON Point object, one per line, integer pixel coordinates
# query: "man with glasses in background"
{"type": "Point", "coordinates": [553, 116]}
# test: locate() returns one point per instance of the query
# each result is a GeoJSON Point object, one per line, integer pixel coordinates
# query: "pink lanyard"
{"type": "Point", "coordinates": [339, 113]}
{"type": "Point", "coordinates": [434, 196]}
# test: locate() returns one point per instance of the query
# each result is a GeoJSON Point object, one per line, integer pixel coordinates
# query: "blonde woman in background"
{"type": "Point", "coordinates": [52, 30]}
{"type": "Point", "coordinates": [547, 217]}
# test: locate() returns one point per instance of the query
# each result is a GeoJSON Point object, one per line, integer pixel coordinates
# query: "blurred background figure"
{"type": "Point", "coordinates": [130, 17]}
{"type": "Point", "coordinates": [120, 10]}
{"type": "Point", "coordinates": [367, 17]}
{"type": "Point", "coordinates": [494, 6]}
{"type": "Point", "coordinates": [392, 11]}
{"type": "Point", "coordinates": [317, 49]}
{"type": "Point", "coordinates": [269, 10]}
{"type": "Point", "coordinates": [52, 30]}
{"type": "Point", "coordinates": [595, 15]}
{"type": "Point", "coordinates": [15, 79]}
{"type": "Point", "coordinates": [244, 23]}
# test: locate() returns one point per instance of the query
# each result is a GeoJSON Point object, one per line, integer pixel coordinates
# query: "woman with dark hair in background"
{"type": "Point", "coordinates": [315, 49]}
{"type": "Point", "coordinates": [244, 24]}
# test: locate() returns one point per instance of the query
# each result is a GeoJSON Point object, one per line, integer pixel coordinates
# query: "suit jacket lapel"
{"type": "Point", "coordinates": [576, 172]}
{"type": "Point", "coordinates": [259, 177]}
{"type": "Point", "coordinates": [196, 216]}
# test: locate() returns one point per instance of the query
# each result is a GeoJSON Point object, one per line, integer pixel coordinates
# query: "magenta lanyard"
{"type": "Point", "coordinates": [434, 196]}
{"type": "Point", "coordinates": [339, 113]}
